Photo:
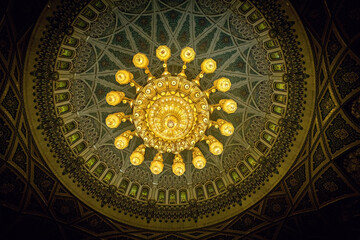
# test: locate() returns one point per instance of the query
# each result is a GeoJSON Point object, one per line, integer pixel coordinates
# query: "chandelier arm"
{"type": "Point", "coordinates": [137, 86]}
{"type": "Point", "coordinates": [157, 165]}
{"type": "Point", "coordinates": [128, 100]}
{"type": "Point", "coordinates": [137, 156]}
{"type": "Point", "coordinates": [187, 55]}
{"type": "Point", "coordinates": [228, 105]}
{"type": "Point", "coordinates": [115, 119]}
{"type": "Point", "coordinates": [214, 107]}
{"type": "Point", "coordinates": [226, 128]}
{"type": "Point", "coordinates": [182, 73]}
{"type": "Point", "coordinates": [214, 124]}
{"type": "Point", "coordinates": [125, 118]}
{"type": "Point", "coordinates": [207, 66]}
{"type": "Point", "coordinates": [210, 90]}
{"type": "Point", "coordinates": [178, 166]}
{"type": "Point", "coordinates": [197, 79]}
{"type": "Point", "coordinates": [150, 76]}
{"type": "Point", "coordinates": [163, 53]}
{"type": "Point", "coordinates": [166, 72]}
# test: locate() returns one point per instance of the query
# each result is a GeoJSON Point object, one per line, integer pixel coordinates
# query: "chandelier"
{"type": "Point", "coordinates": [170, 113]}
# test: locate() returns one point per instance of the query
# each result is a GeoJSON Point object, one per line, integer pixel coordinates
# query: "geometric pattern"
{"type": "Point", "coordinates": [267, 85]}
{"type": "Point", "coordinates": [28, 212]}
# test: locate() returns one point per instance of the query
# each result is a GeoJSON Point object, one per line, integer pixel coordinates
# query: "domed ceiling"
{"type": "Point", "coordinates": [260, 46]}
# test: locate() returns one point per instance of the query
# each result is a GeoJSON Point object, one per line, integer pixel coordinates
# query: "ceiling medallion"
{"type": "Point", "coordinates": [170, 113]}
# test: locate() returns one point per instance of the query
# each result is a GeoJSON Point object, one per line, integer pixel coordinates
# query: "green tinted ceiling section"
{"type": "Point", "coordinates": [162, 36]}
{"type": "Point", "coordinates": [150, 8]}
{"type": "Point", "coordinates": [120, 39]}
{"type": "Point", "coordinates": [101, 91]}
{"type": "Point", "coordinates": [172, 3]}
{"type": "Point", "coordinates": [238, 65]}
{"type": "Point", "coordinates": [224, 41]}
{"type": "Point", "coordinates": [173, 18]}
{"type": "Point", "coordinates": [98, 50]}
{"type": "Point", "coordinates": [201, 24]}
{"type": "Point", "coordinates": [106, 64]}
{"type": "Point", "coordinates": [141, 42]}
{"type": "Point", "coordinates": [145, 23]}
{"type": "Point", "coordinates": [241, 92]}
{"type": "Point", "coordinates": [204, 44]}
{"type": "Point", "coordinates": [177, 24]}
{"type": "Point", "coordinates": [125, 59]}
{"type": "Point", "coordinates": [173, 48]}
{"type": "Point", "coordinates": [184, 33]}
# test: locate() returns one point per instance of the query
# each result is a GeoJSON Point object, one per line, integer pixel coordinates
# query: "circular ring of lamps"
{"type": "Point", "coordinates": [171, 113]}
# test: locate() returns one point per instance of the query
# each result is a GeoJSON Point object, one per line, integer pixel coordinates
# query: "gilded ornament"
{"type": "Point", "coordinates": [171, 114]}
{"type": "Point", "coordinates": [123, 77]}
{"type": "Point", "coordinates": [113, 98]}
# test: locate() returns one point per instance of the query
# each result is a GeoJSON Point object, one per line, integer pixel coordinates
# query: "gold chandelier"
{"type": "Point", "coordinates": [170, 113]}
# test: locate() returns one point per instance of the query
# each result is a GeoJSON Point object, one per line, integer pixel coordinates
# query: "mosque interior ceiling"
{"type": "Point", "coordinates": [290, 170]}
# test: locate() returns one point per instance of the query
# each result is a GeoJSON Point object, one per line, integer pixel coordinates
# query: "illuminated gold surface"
{"type": "Point", "coordinates": [170, 113]}
{"type": "Point", "coordinates": [140, 60]}
{"type": "Point", "coordinates": [187, 54]}
{"type": "Point", "coordinates": [137, 157]}
{"type": "Point", "coordinates": [123, 77]}
{"type": "Point", "coordinates": [174, 109]}
{"type": "Point", "coordinates": [163, 53]}
{"type": "Point", "coordinates": [222, 84]}
{"type": "Point", "coordinates": [199, 160]}
{"type": "Point", "coordinates": [226, 128]}
{"type": "Point", "coordinates": [157, 164]}
{"type": "Point", "coordinates": [171, 117]}
{"type": "Point", "coordinates": [122, 141]}
{"type": "Point", "coordinates": [178, 166]}
{"type": "Point", "coordinates": [215, 146]}
{"type": "Point", "coordinates": [113, 120]}
{"type": "Point", "coordinates": [208, 65]}
{"type": "Point", "coordinates": [113, 98]}
{"type": "Point", "coordinates": [228, 105]}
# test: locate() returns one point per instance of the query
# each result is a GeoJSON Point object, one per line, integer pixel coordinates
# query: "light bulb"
{"type": "Point", "coordinates": [208, 65]}
{"type": "Point", "coordinates": [123, 77]}
{"type": "Point", "coordinates": [178, 166]}
{"type": "Point", "coordinates": [163, 53]}
{"type": "Point", "coordinates": [137, 157]}
{"type": "Point", "coordinates": [140, 60]}
{"type": "Point", "coordinates": [157, 165]}
{"type": "Point", "coordinates": [113, 98]}
{"type": "Point", "coordinates": [228, 105]}
{"type": "Point", "coordinates": [227, 129]}
{"type": "Point", "coordinates": [199, 160]}
{"type": "Point", "coordinates": [112, 121]}
{"type": "Point", "coordinates": [187, 54]}
{"type": "Point", "coordinates": [121, 142]}
{"type": "Point", "coordinates": [222, 84]}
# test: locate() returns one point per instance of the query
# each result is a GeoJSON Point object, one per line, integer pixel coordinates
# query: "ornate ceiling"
{"type": "Point", "coordinates": [266, 58]}
{"type": "Point", "coordinates": [74, 53]}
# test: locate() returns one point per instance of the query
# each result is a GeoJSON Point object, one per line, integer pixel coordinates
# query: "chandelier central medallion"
{"type": "Point", "coordinates": [170, 113]}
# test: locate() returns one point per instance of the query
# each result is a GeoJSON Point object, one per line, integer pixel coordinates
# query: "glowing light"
{"type": "Point", "coordinates": [170, 114]}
